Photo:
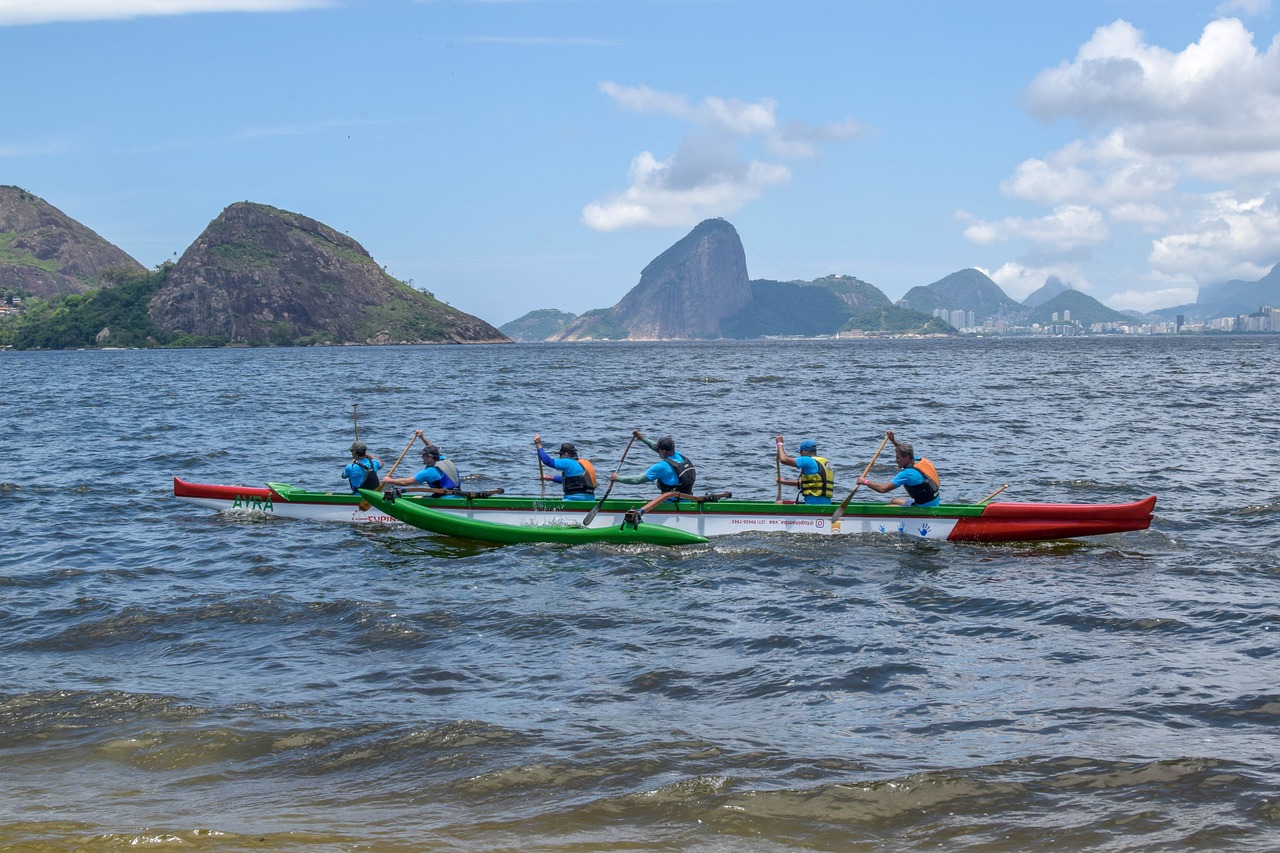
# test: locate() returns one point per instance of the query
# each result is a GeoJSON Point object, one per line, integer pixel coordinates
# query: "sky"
{"type": "Point", "coordinates": [510, 155]}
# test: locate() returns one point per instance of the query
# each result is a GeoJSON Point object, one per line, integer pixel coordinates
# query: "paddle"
{"type": "Point", "coordinates": [542, 477]}
{"type": "Point", "coordinates": [993, 494]}
{"type": "Point", "coordinates": [431, 490]}
{"type": "Point", "coordinates": [590, 517]}
{"type": "Point", "coordinates": [777, 467]}
{"type": "Point", "coordinates": [364, 504]}
{"type": "Point", "coordinates": [835, 516]}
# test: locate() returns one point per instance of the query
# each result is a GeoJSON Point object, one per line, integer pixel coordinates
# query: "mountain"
{"type": "Point", "coordinates": [1084, 309]}
{"type": "Point", "coordinates": [800, 308]}
{"type": "Point", "coordinates": [1052, 287]}
{"type": "Point", "coordinates": [1231, 298]}
{"type": "Point", "coordinates": [683, 294]}
{"type": "Point", "coordinates": [537, 325]}
{"type": "Point", "coordinates": [967, 290]}
{"type": "Point", "coordinates": [260, 275]}
{"type": "Point", "coordinates": [44, 252]}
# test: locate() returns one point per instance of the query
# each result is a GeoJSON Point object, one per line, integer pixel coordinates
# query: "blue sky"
{"type": "Point", "coordinates": [539, 153]}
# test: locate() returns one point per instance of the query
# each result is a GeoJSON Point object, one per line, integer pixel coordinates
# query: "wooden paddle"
{"type": "Point", "coordinates": [777, 467]}
{"type": "Point", "coordinates": [835, 516]}
{"type": "Point", "coordinates": [542, 477]}
{"type": "Point", "coordinates": [993, 494]}
{"type": "Point", "coordinates": [364, 504]}
{"type": "Point", "coordinates": [590, 517]}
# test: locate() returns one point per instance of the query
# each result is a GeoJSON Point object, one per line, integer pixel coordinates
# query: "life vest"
{"type": "Point", "coordinates": [581, 484]}
{"type": "Point", "coordinates": [821, 484]}
{"type": "Point", "coordinates": [370, 480]}
{"type": "Point", "coordinates": [450, 480]}
{"type": "Point", "coordinates": [924, 492]}
{"type": "Point", "coordinates": [686, 475]}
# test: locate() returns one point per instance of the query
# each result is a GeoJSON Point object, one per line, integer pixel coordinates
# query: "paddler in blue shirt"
{"type": "Point", "coordinates": [918, 476]}
{"type": "Point", "coordinates": [578, 476]}
{"type": "Point", "coordinates": [674, 474]}
{"type": "Point", "coordinates": [817, 480]}
{"type": "Point", "coordinates": [437, 473]}
{"type": "Point", "coordinates": [362, 472]}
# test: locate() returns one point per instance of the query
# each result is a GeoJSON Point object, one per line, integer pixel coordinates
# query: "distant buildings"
{"type": "Point", "coordinates": [1265, 319]}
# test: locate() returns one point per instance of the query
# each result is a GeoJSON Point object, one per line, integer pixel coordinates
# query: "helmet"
{"type": "Point", "coordinates": [568, 449]}
{"type": "Point", "coordinates": [432, 451]}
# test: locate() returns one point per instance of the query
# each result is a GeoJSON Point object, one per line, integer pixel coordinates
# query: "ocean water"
{"type": "Point", "coordinates": [176, 678]}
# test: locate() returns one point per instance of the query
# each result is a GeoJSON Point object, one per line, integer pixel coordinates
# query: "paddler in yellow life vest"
{"type": "Point", "coordinates": [817, 481]}
{"type": "Point", "coordinates": [918, 476]}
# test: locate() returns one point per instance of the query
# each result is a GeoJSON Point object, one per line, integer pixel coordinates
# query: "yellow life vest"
{"type": "Point", "coordinates": [821, 484]}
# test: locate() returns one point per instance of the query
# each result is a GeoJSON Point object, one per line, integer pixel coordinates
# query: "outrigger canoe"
{"type": "Point", "coordinates": [990, 522]}
{"type": "Point", "coordinates": [549, 528]}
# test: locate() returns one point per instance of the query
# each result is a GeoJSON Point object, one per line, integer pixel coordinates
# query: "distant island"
{"type": "Point", "coordinates": [261, 276]}
{"type": "Point", "coordinates": [256, 276]}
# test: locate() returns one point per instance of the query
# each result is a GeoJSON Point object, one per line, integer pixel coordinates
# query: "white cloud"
{"type": "Point", "coordinates": [1214, 99]}
{"type": "Point", "coordinates": [18, 12]}
{"type": "Point", "coordinates": [681, 191]}
{"type": "Point", "coordinates": [708, 175]}
{"type": "Point", "coordinates": [1152, 300]}
{"type": "Point", "coordinates": [1244, 7]}
{"type": "Point", "coordinates": [1231, 238]}
{"type": "Point", "coordinates": [1068, 229]}
{"type": "Point", "coordinates": [1183, 150]}
{"type": "Point", "coordinates": [1020, 281]}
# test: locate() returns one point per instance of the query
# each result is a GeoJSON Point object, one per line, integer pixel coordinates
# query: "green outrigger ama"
{"type": "Point", "coordinates": [447, 524]}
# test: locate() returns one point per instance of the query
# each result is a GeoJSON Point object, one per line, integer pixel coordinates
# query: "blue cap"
{"type": "Point", "coordinates": [808, 444]}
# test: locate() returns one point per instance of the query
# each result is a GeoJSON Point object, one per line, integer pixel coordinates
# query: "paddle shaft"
{"type": "Point", "coordinates": [590, 517]}
{"type": "Point", "coordinates": [666, 496]}
{"type": "Point", "coordinates": [355, 418]}
{"type": "Point", "coordinates": [777, 467]}
{"type": "Point", "coordinates": [836, 516]}
{"type": "Point", "coordinates": [364, 504]}
{"type": "Point", "coordinates": [993, 494]}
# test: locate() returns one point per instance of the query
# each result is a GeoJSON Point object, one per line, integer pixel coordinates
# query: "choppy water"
{"type": "Point", "coordinates": [174, 678]}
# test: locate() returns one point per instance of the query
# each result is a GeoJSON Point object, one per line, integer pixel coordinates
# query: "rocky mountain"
{"type": "Point", "coordinates": [685, 293]}
{"type": "Point", "coordinates": [260, 275]}
{"type": "Point", "coordinates": [44, 252]}
{"type": "Point", "coordinates": [1082, 308]}
{"type": "Point", "coordinates": [1230, 298]}
{"type": "Point", "coordinates": [1052, 287]}
{"type": "Point", "coordinates": [802, 308]}
{"type": "Point", "coordinates": [537, 325]}
{"type": "Point", "coordinates": [967, 290]}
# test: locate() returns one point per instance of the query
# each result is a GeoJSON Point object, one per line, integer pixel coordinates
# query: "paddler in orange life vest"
{"type": "Point", "coordinates": [817, 481]}
{"type": "Point", "coordinates": [578, 476]}
{"type": "Point", "coordinates": [918, 476]}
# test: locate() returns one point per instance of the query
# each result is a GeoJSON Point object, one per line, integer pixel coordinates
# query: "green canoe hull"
{"type": "Point", "coordinates": [447, 524]}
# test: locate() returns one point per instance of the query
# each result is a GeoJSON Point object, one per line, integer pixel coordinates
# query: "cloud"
{"type": "Point", "coordinates": [709, 174]}
{"type": "Point", "coordinates": [1183, 151]}
{"type": "Point", "coordinates": [19, 12]}
{"type": "Point", "coordinates": [1020, 281]}
{"type": "Point", "coordinates": [703, 179]}
{"type": "Point", "coordinates": [1067, 230]}
{"type": "Point", "coordinates": [1231, 237]}
{"type": "Point", "coordinates": [1152, 300]}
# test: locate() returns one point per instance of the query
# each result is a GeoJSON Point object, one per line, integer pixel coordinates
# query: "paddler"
{"type": "Point", "coordinates": [362, 471]}
{"type": "Point", "coordinates": [674, 474]}
{"type": "Point", "coordinates": [578, 476]}
{"type": "Point", "coordinates": [917, 476]}
{"type": "Point", "coordinates": [437, 472]}
{"type": "Point", "coordinates": [817, 480]}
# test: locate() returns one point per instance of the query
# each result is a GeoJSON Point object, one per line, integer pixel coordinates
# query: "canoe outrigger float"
{"type": "Point", "coordinates": [543, 519]}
